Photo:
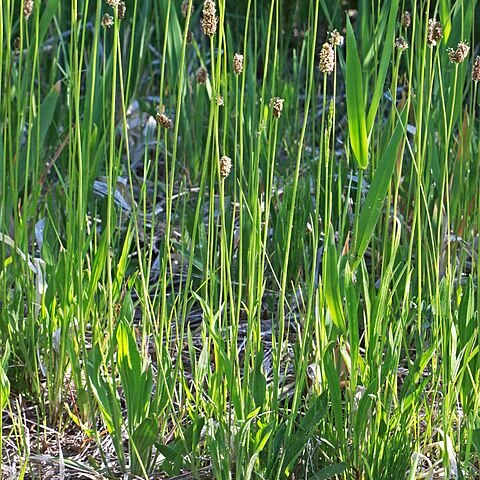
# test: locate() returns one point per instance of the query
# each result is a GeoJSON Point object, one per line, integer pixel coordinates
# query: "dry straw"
{"type": "Point", "coordinates": [326, 62]}
{"type": "Point", "coordinates": [209, 19]}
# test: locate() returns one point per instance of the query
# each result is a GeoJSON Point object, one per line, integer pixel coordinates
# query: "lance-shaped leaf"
{"type": "Point", "coordinates": [355, 101]}
{"type": "Point", "coordinates": [367, 220]}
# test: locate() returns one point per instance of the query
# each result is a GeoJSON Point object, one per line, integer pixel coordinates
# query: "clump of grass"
{"type": "Point", "coordinates": [306, 306]}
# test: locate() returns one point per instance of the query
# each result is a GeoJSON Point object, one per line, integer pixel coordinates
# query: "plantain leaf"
{"type": "Point", "coordinates": [330, 471]}
{"type": "Point", "coordinates": [143, 438]}
{"type": "Point", "coordinates": [367, 220]}
{"type": "Point", "coordinates": [297, 442]}
{"type": "Point", "coordinates": [4, 383]}
{"type": "Point", "coordinates": [137, 382]}
{"type": "Point", "coordinates": [384, 63]}
{"type": "Point", "coordinates": [355, 101]}
{"type": "Point", "coordinates": [331, 282]}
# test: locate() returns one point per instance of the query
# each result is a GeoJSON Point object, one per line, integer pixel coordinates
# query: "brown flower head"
{"type": "Point", "coordinates": [406, 19]}
{"type": "Point", "coordinates": [476, 69]}
{"type": "Point", "coordinates": [17, 45]}
{"type": "Point", "coordinates": [27, 8]}
{"type": "Point", "coordinates": [164, 121]}
{"type": "Point", "coordinates": [335, 38]}
{"type": "Point", "coordinates": [460, 54]}
{"type": "Point", "coordinates": [121, 10]}
{"type": "Point", "coordinates": [276, 104]}
{"type": "Point", "coordinates": [185, 8]}
{"type": "Point", "coordinates": [237, 64]}
{"type": "Point", "coordinates": [225, 166]}
{"type": "Point", "coordinates": [209, 19]}
{"type": "Point", "coordinates": [107, 21]}
{"type": "Point", "coordinates": [189, 37]}
{"type": "Point", "coordinates": [434, 33]}
{"type": "Point", "coordinates": [202, 75]}
{"type": "Point", "coordinates": [326, 62]}
{"type": "Point", "coordinates": [401, 44]}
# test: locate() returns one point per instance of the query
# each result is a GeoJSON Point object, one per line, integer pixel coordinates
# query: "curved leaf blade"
{"type": "Point", "coordinates": [355, 101]}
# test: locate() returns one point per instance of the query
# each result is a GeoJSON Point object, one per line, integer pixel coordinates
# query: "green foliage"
{"type": "Point", "coordinates": [314, 314]}
{"type": "Point", "coordinates": [357, 128]}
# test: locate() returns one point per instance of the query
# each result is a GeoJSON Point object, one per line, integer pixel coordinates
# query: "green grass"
{"type": "Point", "coordinates": [314, 314]}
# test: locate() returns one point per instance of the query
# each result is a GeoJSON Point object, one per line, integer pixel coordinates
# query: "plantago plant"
{"type": "Point", "coordinates": [239, 239]}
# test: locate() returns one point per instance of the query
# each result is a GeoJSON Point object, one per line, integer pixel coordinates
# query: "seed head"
{"type": "Point", "coordinates": [335, 38]}
{"type": "Point", "coordinates": [476, 69]}
{"type": "Point", "coordinates": [219, 100]}
{"type": "Point", "coordinates": [121, 10]}
{"type": "Point", "coordinates": [237, 64]}
{"type": "Point", "coordinates": [406, 19]}
{"type": "Point", "coordinates": [435, 32]}
{"type": "Point", "coordinates": [27, 8]}
{"type": "Point", "coordinates": [326, 62]}
{"type": "Point", "coordinates": [107, 21]}
{"type": "Point", "coordinates": [225, 166]}
{"type": "Point", "coordinates": [164, 121]}
{"type": "Point", "coordinates": [276, 104]}
{"type": "Point", "coordinates": [112, 3]}
{"type": "Point", "coordinates": [209, 18]}
{"type": "Point", "coordinates": [460, 54]}
{"type": "Point", "coordinates": [185, 8]}
{"type": "Point", "coordinates": [202, 75]}
{"type": "Point", "coordinates": [401, 44]}
{"type": "Point", "coordinates": [189, 37]}
{"type": "Point", "coordinates": [17, 45]}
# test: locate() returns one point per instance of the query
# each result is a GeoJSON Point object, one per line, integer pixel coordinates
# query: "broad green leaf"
{"type": "Point", "coordinates": [42, 122]}
{"type": "Point", "coordinates": [371, 209]}
{"type": "Point", "coordinates": [331, 283]}
{"type": "Point", "coordinates": [384, 63]}
{"type": "Point", "coordinates": [136, 381]}
{"type": "Point", "coordinates": [330, 471]}
{"type": "Point", "coordinates": [47, 110]}
{"type": "Point", "coordinates": [445, 6]}
{"type": "Point", "coordinates": [107, 399]}
{"type": "Point", "coordinates": [45, 22]}
{"type": "Point", "coordinates": [295, 444]}
{"type": "Point", "coordinates": [333, 373]}
{"type": "Point", "coordinates": [355, 101]}
{"type": "Point", "coordinates": [4, 383]}
{"type": "Point", "coordinates": [143, 439]}
{"type": "Point", "coordinates": [352, 301]}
